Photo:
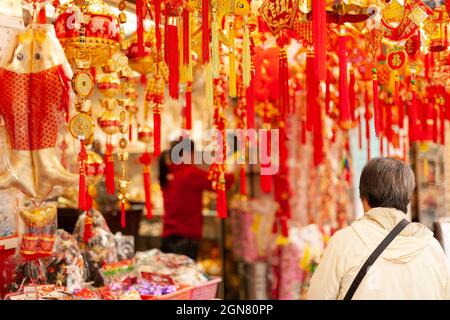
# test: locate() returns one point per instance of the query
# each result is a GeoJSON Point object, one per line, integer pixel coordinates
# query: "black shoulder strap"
{"type": "Point", "coordinates": [374, 256]}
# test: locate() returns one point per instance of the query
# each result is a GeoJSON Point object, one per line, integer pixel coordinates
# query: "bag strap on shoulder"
{"type": "Point", "coordinates": [374, 256]}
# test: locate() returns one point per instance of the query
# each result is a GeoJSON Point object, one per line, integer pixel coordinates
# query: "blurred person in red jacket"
{"type": "Point", "coordinates": [182, 185]}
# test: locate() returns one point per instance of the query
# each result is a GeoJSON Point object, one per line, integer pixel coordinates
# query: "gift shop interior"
{"type": "Point", "coordinates": [207, 149]}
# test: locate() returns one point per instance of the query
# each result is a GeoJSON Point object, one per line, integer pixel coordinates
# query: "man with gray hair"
{"type": "Point", "coordinates": [381, 255]}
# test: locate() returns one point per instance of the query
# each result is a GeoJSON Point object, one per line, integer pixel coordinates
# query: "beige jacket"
{"type": "Point", "coordinates": [413, 266]}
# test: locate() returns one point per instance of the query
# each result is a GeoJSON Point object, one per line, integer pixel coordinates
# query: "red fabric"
{"type": "Point", "coordinates": [183, 200]}
{"type": "Point", "coordinates": [31, 105]}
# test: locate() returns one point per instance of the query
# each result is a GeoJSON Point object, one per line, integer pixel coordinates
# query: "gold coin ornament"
{"type": "Point", "coordinates": [81, 126]}
{"type": "Point", "coordinates": [83, 84]}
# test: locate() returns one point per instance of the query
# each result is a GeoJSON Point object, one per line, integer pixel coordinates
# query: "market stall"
{"type": "Point", "coordinates": [290, 97]}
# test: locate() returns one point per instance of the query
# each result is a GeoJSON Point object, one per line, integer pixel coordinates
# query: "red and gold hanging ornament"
{"type": "Point", "coordinates": [415, 12]}
{"type": "Point", "coordinates": [174, 9]}
{"type": "Point", "coordinates": [145, 136]}
{"type": "Point", "coordinates": [102, 35]}
{"type": "Point", "coordinates": [396, 60]}
{"type": "Point", "coordinates": [438, 39]}
{"type": "Point", "coordinates": [122, 155]}
{"type": "Point", "coordinates": [345, 117]}
{"type": "Point", "coordinates": [110, 124]}
{"type": "Point", "coordinates": [216, 173]}
{"type": "Point", "coordinates": [155, 97]}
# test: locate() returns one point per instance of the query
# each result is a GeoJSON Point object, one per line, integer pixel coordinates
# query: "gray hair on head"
{"type": "Point", "coordinates": [388, 183]}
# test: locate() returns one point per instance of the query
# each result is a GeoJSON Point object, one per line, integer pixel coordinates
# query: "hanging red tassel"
{"type": "Point", "coordinates": [359, 132]}
{"type": "Point", "coordinates": [376, 108]}
{"type": "Point", "coordinates": [250, 97]}
{"type": "Point", "coordinates": [205, 31]}
{"type": "Point", "coordinates": [82, 187]}
{"type": "Point", "coordinates": [145, 159]}
{"type": "Point", "coordinates": [434, 113]}
{"type": "Point", "coordinates": [42, 18]}
{"type": "Point", "coordinates": [352, 97]}
{"type": "Point", "coordinates": [283, 82]}
{"type": "Point", "coordinates": [344, 105]}
{"type": "Point", "coordinates": [388, 129]}
{"type": "Point", "coordinates": [311, 89]}
{"type": "Point", "coordinates": [148, 192]}
{"type": "Point", "coordinates": [266, 179]}
{"type": "Point", "coordinates": [243, 181]}
{"type": "Point", "coordinates": [122, 215]}
{"type": "Point", "coordinates": [174, 56]}
{"type": "Point", "coordinates": [367, 118]}
{"type": "Point", "coordinates": [188, 108]}
{"type": "Point", "coordinates": [319, 22]}
{"type": "Point", "coordinates": [109, 169]}
{"type": "Point", "coordinates": [157, 4]}
{"type": "Point", "coordinates": [221, 203]}
{"type": "Point", "coordinates": [87, 232]}
{"type": "Point", "coordinates": [317, 133]}
{"type": "Point", "coordinates": [157, 130]}
{"type": "Point", "coordinates": [140, 26]}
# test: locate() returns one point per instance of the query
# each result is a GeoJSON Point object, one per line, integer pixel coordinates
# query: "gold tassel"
{"type": "Point", "coordinates": [181, 55]}
{"type": "Point", "coordinates": [232, 61]}
{"type": "Point", "coordinates": [215, 44]}
{"type": "Point", "coordinates": [209, 86]}
{"type": "Point", "coordinates": [246, 58]}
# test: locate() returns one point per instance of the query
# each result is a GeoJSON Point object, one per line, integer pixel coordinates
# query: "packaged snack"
{"type": "Point", "coordinates": [66, 267]}
{"type": "Point", "coordinates": [125, 246]}
{"type": "Point", "coordinates": [100, 249]}
{"type": "Point", "coordinates": [182, 269]}
{"type": "Point", "coordinates": [117, 271]}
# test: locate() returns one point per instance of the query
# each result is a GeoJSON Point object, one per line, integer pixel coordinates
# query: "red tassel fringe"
{"type": "Point", "coordinates": [243, 181]}
{"type": "Point", "coordinates": [157, 132]}
{"type": "Point", "coordinates": [376, 108]}
{"type": "Point", "coordinates": [173, 59]}
{"type": "Point", "coordinates": [221, 204]}
{"type": "Point", "coordinates": [367, 118]}
{"type": "Point", "coordinates": [82, 187]}
{"type": "Point", "coordinates": [122, 215]}
{"type": "Point", "coordinates": [344, 105]}
{"type": "Point", "coordinates": [319, 21]}
{"type": "Point", "coordinates": [140, 26]}
{"type": "Point", "coordinates": [188, 108]}
{"type": "Point", "coordinates": [205, 31]}
{"type": "Point", "coordinates": [148, 192]}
